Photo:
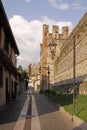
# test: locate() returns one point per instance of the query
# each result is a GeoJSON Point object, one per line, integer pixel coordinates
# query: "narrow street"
{"type": "Point", "coordinates": [32, 111]}
{"type": "Point", "coordinates": [43, 48]}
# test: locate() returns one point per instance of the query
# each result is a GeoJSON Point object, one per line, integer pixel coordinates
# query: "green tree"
{"type": "Point", "coordinates": [24, 75]}
{"type": "Point", "coordinates": [20, 69]}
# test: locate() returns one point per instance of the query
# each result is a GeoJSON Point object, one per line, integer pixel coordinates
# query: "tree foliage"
{"type": "Point", "coordinates": [24, 74]}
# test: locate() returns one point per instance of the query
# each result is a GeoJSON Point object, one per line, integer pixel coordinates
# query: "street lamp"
{"type": "Point", "coordinates": [74, 69]}
{"type": "Point", "coordinates": [48, 78]}
{"type": "Point", "coordinates": [52, 46]}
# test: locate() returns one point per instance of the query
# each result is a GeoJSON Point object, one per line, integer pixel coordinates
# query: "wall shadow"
{"type": "Point", "coordinates": [11, 111]}
{"type": "Point", "coordinates": [82, 126]}
{"type": "Point", "coordinates": [67, 85]}
{"type": "Point", "coordinates": [47, 106]}
{"type": "Point", "coordinates": [44, 82]}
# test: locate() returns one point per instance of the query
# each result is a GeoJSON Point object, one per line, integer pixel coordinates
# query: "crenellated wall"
{"type": "Point", "coordinates": [63, 67]}
{"type": "Point", "coordinates": [45, 54]}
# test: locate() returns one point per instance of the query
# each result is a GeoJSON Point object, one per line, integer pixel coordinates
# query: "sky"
{"type": "Point", "coordinates": [26, 18]}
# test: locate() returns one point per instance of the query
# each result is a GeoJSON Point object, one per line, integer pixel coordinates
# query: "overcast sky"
{"type": "Point", "coordinates": [27, 17]}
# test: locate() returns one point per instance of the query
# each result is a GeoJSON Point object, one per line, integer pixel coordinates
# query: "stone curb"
{"type": "Point", "coordinates": [77, 121]}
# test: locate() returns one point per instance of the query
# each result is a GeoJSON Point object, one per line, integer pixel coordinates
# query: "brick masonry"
{"type": "Point", "coordinates": [46, 56]}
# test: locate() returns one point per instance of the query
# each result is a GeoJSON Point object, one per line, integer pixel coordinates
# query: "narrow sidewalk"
{"type": "Point", "coordinates": [11, 112]}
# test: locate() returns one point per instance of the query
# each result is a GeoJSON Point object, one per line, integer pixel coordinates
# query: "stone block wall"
{"type": "Point", "coordinates": [63, 67]}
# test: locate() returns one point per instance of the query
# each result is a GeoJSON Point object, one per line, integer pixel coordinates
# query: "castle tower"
{"type": "Point", "coordinates": [43, 57]}
{"type": "Point", "coordinates": [46, 56]}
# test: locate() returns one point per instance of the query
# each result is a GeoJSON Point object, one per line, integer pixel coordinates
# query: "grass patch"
{"type": "Point", "coordinates": [81, 107]}
{"type": "Point", "coordinates": [66, 100]}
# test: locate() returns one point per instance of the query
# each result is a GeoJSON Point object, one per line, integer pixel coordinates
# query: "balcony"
{"type": "Point", "coordinates": [7, 63]}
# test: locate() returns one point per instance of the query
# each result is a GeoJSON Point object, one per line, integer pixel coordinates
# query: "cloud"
{"type": "Point", "coordinates": [28, 0]}
{"type": "Point", "coordinates": [28, 35]}
{"type": "Point", "coordinates": [59, 5]}
{"type": "Point", "coordinates": [77, 6]}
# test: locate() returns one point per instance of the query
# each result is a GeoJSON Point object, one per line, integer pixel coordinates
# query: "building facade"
{"type": "Point", "coordinates": [34, 76]}
{"type": "Point", "coordinates": [8, 55]}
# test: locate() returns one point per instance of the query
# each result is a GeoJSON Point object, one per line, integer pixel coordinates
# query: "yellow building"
{"type": "Point", "coordinates": [8, 55]}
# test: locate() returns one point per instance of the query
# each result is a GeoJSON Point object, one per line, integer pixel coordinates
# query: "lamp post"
{"type": "Point", "coordinates": [48, 78]}
{"type": "Point", "coordinates": [52, 46]}
{"type": "Point", "coordinates": [74, 62]}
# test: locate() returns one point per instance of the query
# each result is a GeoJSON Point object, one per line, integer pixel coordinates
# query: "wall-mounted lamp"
{"type": "Point", "coordinates": [52, 46]}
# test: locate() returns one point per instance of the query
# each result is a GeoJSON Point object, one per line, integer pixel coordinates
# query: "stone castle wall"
{"type": "Point", "coordinates": [45, 53]}
{"type": "Point", "coordinates": [63, 67]}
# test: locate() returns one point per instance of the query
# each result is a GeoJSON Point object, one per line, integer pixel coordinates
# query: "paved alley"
{"type": "Point", "coordinates": [33, 111]}
{"type": "Point", "coordinates": [50, 117]}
